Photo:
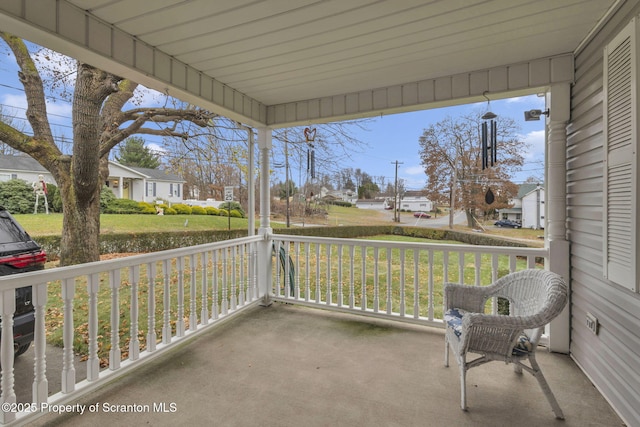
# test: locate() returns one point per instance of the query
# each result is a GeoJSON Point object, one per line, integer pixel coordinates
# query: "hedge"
{"type": "Point", "coordinates": [153, 242]}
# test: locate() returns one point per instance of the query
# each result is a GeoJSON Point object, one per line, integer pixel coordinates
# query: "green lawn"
{"type": "Point", "coordinates": [46, 225]}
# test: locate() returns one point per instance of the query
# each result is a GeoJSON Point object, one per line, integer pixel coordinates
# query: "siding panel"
{"type": "Point", "coordinates": [610, 359]}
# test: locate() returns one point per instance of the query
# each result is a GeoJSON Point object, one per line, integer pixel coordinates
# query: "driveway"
{"type": "Point", "coordinates": [23, 371]}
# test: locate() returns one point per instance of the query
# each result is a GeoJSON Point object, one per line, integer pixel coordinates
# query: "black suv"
{"type": "Point", "coordinates": [19, 254]}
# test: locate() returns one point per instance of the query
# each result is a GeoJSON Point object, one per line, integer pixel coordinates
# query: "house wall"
{"type": "Point", "coordinates": [533, 210]}
{"type": "Point", "coordinates": [612, 358]}
{"type": "Point", "coordinates": [29, 177]}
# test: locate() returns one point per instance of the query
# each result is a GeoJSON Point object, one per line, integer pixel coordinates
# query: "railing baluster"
{"type": "Point", "coordinates": [402, 284]}
{"type": "Point", "coordinates": [307, 272]}
{"type": "Point", "coordinates": [328, 281]}
{"type": "Point", "coordinates": [363, 255]}
{"type": "Point", "coordinates": [115, 354]}
{"type": "Point", "coordinates": [68, 369]}
{"type": "Point", "coordinates": [339, 295]}
{"type": "Point", "coordinates": [389, 275]}
{"type": "Point", "coordinates": [134, 341]}
{"type": "Point", "coordinates": [445, 266]}
{"type": "Point", "coordinates": [242, 294]}
{"type": "Point", "coordinates": [352, 249]}
{"type": "Point", "coordinates": [318, 273]}
{"type": "Point", "coordinates": [40, 383]}
{"type": "Point", "coordinates": [151, 307]}
{"type": "Point", "coordinates": [376, 288]}
{"type": "Point", "coordinates": [166, 302]}
{"type": "Point", "coordinates": [430, 303]}
{"type": "Point", "coordinates": [180, 327]}
{"type": "Point", "coordinates": [478, 263]}
{"type": "Point", "coordinates": [193, 309]}
{"type": "Point", "coordinates": [215, 313]}
{"type": "Point", "coordinates": [224, 298]}
{"type": "Point", "coordinates": [204, 275]}
{"type": "Point", "coordinates": [8, 301]}
{"type": "Point", "coordinates": [461, 267]}
{"type": "Point", "coordinates": [296, 289]}
{"type": "Point", "coordinates": [512, 263]}
{"type": "Point", "coordinates": [416, 282]}
{"type": "Point", "coordinates": [233, 267]}
{"type": "Point", "coordinates": [93, 363]}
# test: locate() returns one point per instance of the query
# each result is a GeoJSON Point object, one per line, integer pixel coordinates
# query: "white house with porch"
{"type": "Point", "coordinates": [126, 182]}
{"type": "Point", "coordinates": [298, 63]}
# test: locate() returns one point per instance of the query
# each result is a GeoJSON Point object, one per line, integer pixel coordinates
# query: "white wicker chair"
{"type": "Point", "coordinates": [535, 298]}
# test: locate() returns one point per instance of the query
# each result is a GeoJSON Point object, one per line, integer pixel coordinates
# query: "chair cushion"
{"type": "Point", "coordinates": [453, 319]}
{"type": "Point", "coordinates": [523, 346]}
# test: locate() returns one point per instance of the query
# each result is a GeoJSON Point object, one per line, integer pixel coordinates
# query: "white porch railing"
{"type": "Point", "coordinates": [401, 281]}
{"type": "Point", "coordinates": [157, 300]}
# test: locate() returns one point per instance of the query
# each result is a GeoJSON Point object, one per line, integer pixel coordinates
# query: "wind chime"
{"type": "Point", "coordinates": [489, 145]}
{"type": "Point", "coordinates": [310, 136]}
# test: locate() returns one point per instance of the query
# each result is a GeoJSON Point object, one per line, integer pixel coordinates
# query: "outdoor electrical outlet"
{"type": "Point", "coordinates": [592, 323]}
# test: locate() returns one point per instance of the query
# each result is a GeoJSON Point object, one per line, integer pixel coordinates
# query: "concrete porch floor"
{"type": "Point", "coordinates": [294, 366]}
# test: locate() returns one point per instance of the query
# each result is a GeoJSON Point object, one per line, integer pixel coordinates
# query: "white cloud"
{"type": "Point", "coordinates": [536, 141]}
{"type": "Point", "coordinates": [414, 170]}
{"type": "Point", "coordinates": [17, 101]}
{"type": "Point", "coordinates": [156, 148]}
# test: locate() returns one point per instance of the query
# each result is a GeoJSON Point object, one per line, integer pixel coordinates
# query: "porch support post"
{"type": "Point", "coordinates": [251, 183]}
{"type": "Point", "coordinates": [120, 188]}
{"type": "Point", "coordinates": [558, 101]}
{"type": "Point", "coordinates": [264, 247]}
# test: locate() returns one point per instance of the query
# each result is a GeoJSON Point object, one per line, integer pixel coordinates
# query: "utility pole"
{"type": "Point", "coordinates": [396, 215]}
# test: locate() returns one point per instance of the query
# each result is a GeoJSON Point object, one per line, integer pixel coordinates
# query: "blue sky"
{"type": "Point", "coordinates": [395, 137]}
{"type": "Point", "coordinates": [388, 138]}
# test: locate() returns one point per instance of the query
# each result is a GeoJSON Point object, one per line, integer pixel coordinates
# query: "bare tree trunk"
{"type": "Point", "coordinates": [452, 202]}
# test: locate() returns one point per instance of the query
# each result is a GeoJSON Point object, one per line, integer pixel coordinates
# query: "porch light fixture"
{"type": "Point", "coordinates": [533, 115]}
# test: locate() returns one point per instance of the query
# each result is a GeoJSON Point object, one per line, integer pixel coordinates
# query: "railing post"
{"type": "Point", "coordinates": [264, 247]}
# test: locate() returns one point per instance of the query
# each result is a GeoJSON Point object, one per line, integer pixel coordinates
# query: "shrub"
{"type": "Point", "coordinates": [53, 196]}
{"type": "Point", "coordinates": [211, 210]}
{"type": "Point", "coordinates": [236, 214]}
{"type": "Point", "coordinates": [123, 206]}
{"type": "Point", "coordinates": [198, 210]}
{"type": "Point", "coordinates": [181, 209]}
{"type": "Point", "coordinates": [17, 196]}
{"type": "Point", "coordinates": [170, 211]}
{"type": "Point", "coordinates": [223, 212]}
{"type": "Point", "coordinates": [106, 198]}
{"type": "Point", "coordinates": [147, 208]}
{"type": "Point", "coordinates": [233, 206]}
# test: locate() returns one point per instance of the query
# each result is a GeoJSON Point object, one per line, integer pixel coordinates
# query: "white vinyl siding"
{"type": "Point", "coordinates": [620, 167]}
{"type": "Point", "coordinates": [610, 358]}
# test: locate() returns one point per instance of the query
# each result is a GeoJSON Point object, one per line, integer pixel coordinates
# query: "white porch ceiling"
{"type": "Point", "coordinates": [287, 61]}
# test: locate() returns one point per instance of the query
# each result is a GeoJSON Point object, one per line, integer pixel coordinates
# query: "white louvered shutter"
{"type": "Point", "coordinates": [621, 223]}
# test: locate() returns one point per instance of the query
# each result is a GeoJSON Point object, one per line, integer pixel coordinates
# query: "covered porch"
{"type": "Point", "coordinates": [308, 62]}
{"type": "Point", "coordinates": [287, 365]}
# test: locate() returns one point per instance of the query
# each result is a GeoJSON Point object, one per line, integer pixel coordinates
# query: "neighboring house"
{"type": "Point", "coordinates": [144, 184]}
{"type": "Point", "coordinates": [344, 195]}
{"type": "Point", "coordinates": [24, 168]}
{"type": "Point", "coordinates": [415, 201]}
{"type": "Point", "coordinates": [377, 204]}
{"type": "Point", "coordinates": [528, 207]}
{"type": "Point", "coordinates": [126, 182]}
